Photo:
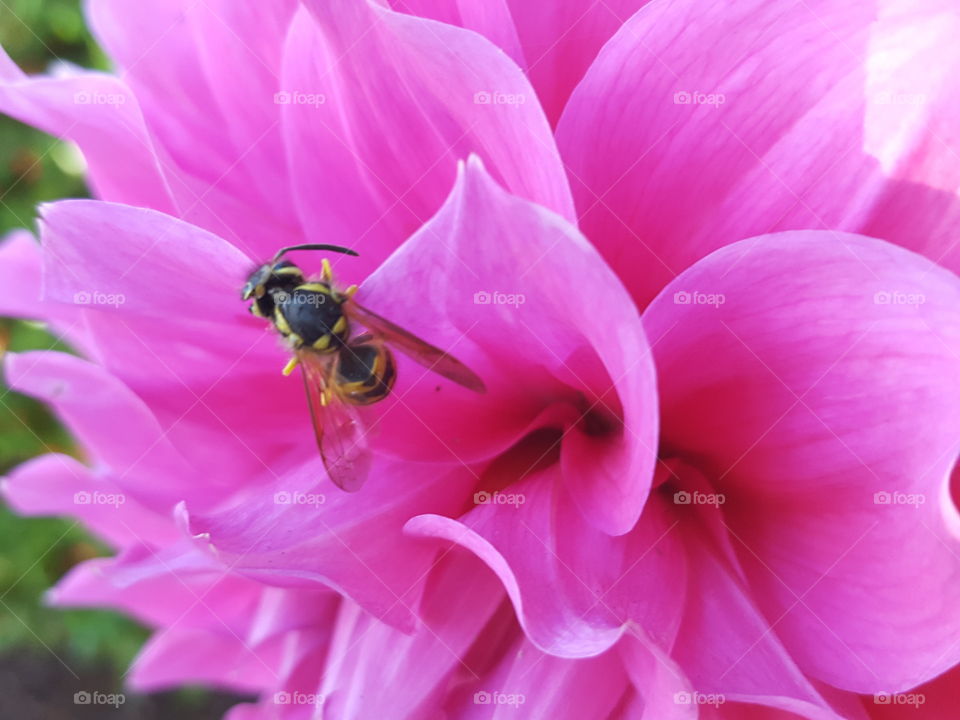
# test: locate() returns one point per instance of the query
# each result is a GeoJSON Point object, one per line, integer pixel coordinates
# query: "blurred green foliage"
{"type": "Point", "coordinates": [35, 167]}
{"type": "Point", "coordinates": [35, 553]}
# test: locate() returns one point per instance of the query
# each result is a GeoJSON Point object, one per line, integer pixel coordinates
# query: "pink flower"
{"type": "Point", "coordinates": [711, 472]}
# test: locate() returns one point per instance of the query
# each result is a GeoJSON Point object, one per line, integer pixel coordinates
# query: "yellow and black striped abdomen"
{"type": "Point", "coordinates": [365, 373]}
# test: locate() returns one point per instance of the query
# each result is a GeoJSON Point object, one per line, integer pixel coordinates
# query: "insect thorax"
{"type": "Point", "coordinates": [311, 315]}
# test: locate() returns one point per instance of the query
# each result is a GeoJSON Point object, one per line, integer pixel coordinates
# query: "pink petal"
{"type": "Point", "coordinates": [173, 586]}
{"type": "Point", "coordinates": [829, 414]}
{"type": "Point", "coordinates": [699, 126]}
{"type": "Point", "coordinates": [574, 587]}
{"type": "Point", "coordinates": [555, 48]}
{"type": "Point", "coordinates": [20, 280]}
{"type": "Point", "coordinates": [374, 671]}
{"type": "Point", "coordinates": [240, 50]}
{"type": "Point", "coordinates": [206, 75]}
{"type": "Point", "coordinates": [180, 586]}
{"type": "Point", "coordinates": [491, 19]}
{"type": "Point", "coordinates": [109, 421]}
{"type": "Point", "coordinates": [59, 485]}
{"type": "Point", "coordinates": [742, 711]}
{"type": "Point", "coordinates": [560, 45]}
{"type": "Point", "coordinates": [101, 115]}
{"type": "Point", "coordinates": [180, 655]}
{"type": "Point", "coordinates": [300, 532]}
{"type": "Point", "coordinates": [20, 275]}
{"type": "Point", "coordinates": [147, 261]}
{"type": "Point", "coordinates": [543, 351]}
{"type": "Point", "coordinates": [660, 682]}
{"type": "Point", "coordinates": [530, 684]}
{"type": "Point", "coordinates": [394, 106]}
{"type": "Point", "coordinates": [727, 648]}
{"type": "Point", "coordinates": [227, 624]}
{"type": "Point", "coordinates": [296, 695]}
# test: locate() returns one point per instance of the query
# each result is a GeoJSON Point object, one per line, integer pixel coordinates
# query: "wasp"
{"type": "Point", "coordinates": [341, 371]}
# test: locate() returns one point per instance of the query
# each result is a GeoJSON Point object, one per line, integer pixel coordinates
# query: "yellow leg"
{"type": "Point", "coordinates": [325, 397]}
{"type": "Point", "coordinates": [291, 365]}
{"type": "Point", "coordinates": [326, 272]}
{"type": "Point", "coordinates": [350, 291]}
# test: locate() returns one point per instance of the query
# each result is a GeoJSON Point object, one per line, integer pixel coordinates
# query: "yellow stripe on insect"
{"type": "Point", "coordinates": [340, 325]}
{"type": "Point", "coordinates": [322, 343]}
{"type": "Point", "coordinates": [280, 321]}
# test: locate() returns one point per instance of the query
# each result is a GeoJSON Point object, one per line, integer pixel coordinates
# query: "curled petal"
{"type": "Point", "coordinates": [574, 588]}
{"type": "Point", "coordinates": [558, 335]}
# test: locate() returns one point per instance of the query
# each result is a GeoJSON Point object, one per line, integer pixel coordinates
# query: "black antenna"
{"type": "Point", "coordinates": [332, 248]}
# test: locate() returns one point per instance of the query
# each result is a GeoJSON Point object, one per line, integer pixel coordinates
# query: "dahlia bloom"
{"type": "Point", "coordinates": [702, 257]}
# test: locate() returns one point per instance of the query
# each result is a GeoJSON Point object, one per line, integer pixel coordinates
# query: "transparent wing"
{"type": "Point", "coordinates": [340, 433]}
{"type": "Point", "coordinates": [432, 358]}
